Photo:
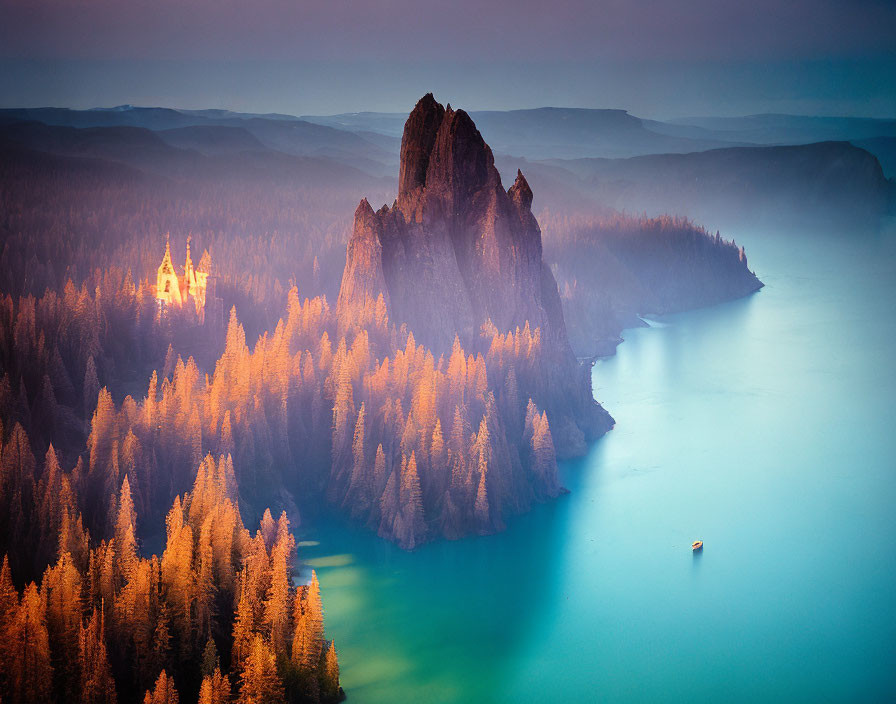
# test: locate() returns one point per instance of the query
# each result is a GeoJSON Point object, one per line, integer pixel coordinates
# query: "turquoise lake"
{"type": "Point", "coordinates": [765, 427]}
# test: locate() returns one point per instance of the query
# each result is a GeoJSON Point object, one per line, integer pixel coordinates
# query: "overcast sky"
{"type": "Point", "coordinates": [655, 59]}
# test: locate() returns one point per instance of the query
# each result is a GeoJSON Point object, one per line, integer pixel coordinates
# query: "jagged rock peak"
{"type": "Point", "coordinates": [520, 193]}
{"type": "Point", "coordinates": [455, 252]}
{"type": "Point", "coordinates": [416, 144]}
{"type": "Point", "coordinates": [444, 160]}
{"type": "Point", "coordinates": [456, 248]}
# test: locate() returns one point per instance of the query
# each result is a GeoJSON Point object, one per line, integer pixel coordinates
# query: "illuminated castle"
{"type": "Point", "coordinates": [196, 285]}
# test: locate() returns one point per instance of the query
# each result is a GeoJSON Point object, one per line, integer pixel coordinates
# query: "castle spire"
{"type": "Point", "coordinates": [167, 264]}
{"type": "Point", "coordinates": [167, 286]}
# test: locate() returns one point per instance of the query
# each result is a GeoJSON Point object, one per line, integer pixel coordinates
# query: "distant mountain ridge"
{"type": "Point", "coordinates": [817, 180]}
{"type": "Point", "coordinates": [288, 135]}
{"type": "Point", "coordinates": [777, 128]}
{"type": "Point", "coordinates": [539, 133]}
{"type": "Point", "coordinates": [547, 143]}
{"type": "Point", "coordinates": [372, 138]}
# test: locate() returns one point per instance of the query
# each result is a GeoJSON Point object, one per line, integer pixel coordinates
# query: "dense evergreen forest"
{"type": "Point", "coordinates": [126, 430]}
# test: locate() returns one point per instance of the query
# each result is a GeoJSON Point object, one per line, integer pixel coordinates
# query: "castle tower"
{"type": "Point", "coordinates": [167, 285]}
{"type": "Point", "coordinates": [189, 271]}
{"type": "Point", "coordinates": [196, 284]}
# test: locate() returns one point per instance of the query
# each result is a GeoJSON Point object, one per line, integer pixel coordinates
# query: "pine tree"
{"type": "Point", "coordinates": [53, 498]}
{"type": "Point", "coordinates": [268, 529]}
{"type": "Point", "coordinates": [210, 661]}
{"type": "Point", "coordinates": [276, 605]}
{"type": "Point", "coordinates": [330, 674]}
{"type": "Point", "coordinates": [61, 591]}
{"type": "Point", "coordinates": [379, 469]}
{"type": "Point", "coordinates": [309, 627]}
{"type": "Point", "coordinates": [481, 507]}
{"type": "Point", "coordinates": [9, 606]}
{"type": "Point", "coordinates": [178, 582]}
{"type": "Point", "coordinates": [31, 674]}
{"type": "Point", "coordinates": [544, 456]}
{"type": "Point", "coordinates": [343, 408]}
{"type": "Point", "coordinates": [358, 495]}
{"type": "Point", "coordinates": [259, 681]}
{"type": "Point", "coordinates": [97, 685]}
{"type": "Point", "coordinates": [438, 458]}
{"type": "Point", "coordinates": [243, 627]}
{"type": "Point", "coordinates": [215, 689]}
{"type": "Point", "coordinates": [205, 587]}
{"type": "Point", "coordinates": [125, 532]}
{"type": "Point", "coordinates": [164, 691]}
{"type": "Point", "coordinates": [91, 387]}
{"type": "Point", "coordinates": [412, 502]}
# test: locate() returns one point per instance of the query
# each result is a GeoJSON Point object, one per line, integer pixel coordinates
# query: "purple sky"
{"type": "Point", "coordinates": [657, 59]}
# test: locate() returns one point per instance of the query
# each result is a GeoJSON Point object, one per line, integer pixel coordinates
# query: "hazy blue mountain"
{"type": "Point", "coordinates": [218, 114]}
{"type": "Point", "coordinates": [783, 129]}
{"type": "Point", "coordinates": [884, 148]}
{"type": "Point", "coordinates": [135, 146]}
{"type": "Point", "coordinates": [308, 139]}
{"type": "Point", "coordinates": [124, 115]}
{"type": "Point", "coordinates": [212, 139]}
{"type": "Point", "coordinates": [549, 132]}
{"type": "Point", "coordinates": [288, 135]}
{"type": "Point", "coordinates": [817, 180]}
{"type": "Point", "coordinates": [678, 173]}
{"type": "Point", "coordinates": [571, 132]}
{"type": "Point", "coordinates": [201, 152]}
{"type": "Point", "coordinates": [386, 123]}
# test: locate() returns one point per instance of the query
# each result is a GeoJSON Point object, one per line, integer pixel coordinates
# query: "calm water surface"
{"type": "Point", "coordinates": [767, 428]}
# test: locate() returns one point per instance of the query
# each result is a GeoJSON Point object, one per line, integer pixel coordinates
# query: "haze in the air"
{"type": "Point", "coordinates": [655, 59]}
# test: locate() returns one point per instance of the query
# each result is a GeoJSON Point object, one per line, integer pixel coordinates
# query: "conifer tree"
{"type": "Point", "coordinates": [308, 637]}
{"type": "Point", "coordinates": [97, 685]}
{"type": "Point", "coordinates": [277, 602]}
{"type": "Point", "coordinates": [268, 529]}
{"type": "Point", "coordinates": [61, 591]}
{"type": "Point", "coordinates": [215, 689]}
{"type": "Point", "coordinates": [9, 606]}
{"type": "Point", "coordinates": [358, 495]}
{"type": "Point", "coordinates": [379, 468]}
{"type": "Point", "coordinates": [544, 456]}
{"type": "Point", "coordinates": [438, 458]}
{"type": "Point", "coordinates": [210, 661]}
{"type": "Point", "coordinates": [125, 532]}
{"type": "Point", "coordinates": [31, 674]}
{"type": "Point", "coordinates": [412, 503]}
{"type": "Point", "coordinates": [330, 674]}
{"type": "Point", "coordinates": [481, 507]}
{"type": "Point", "coordinates": [91, 386]}
{"type": "Point", "coordinates": [259, 681]}
{"type": "Point", "coordinates": [164, 691]}
{"type": "Point", "coordinates": [243, 626]}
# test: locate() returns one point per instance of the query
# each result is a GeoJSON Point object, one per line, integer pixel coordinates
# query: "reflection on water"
{"type": "Point", "coordinates": [444, 623]}
{"type": "Point", "coordinates": [761, 426]}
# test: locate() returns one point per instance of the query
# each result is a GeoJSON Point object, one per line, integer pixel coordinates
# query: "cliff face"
{"type": "Point", "coordinates": [456, 250]}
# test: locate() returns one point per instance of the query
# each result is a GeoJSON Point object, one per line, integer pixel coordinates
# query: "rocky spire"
{"type": "Point", "coordinates": [456, 250]}
{"type": "Point", "coordinates": [420, 132]}
{"type": "Point", "coordinates": [520, 193]}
